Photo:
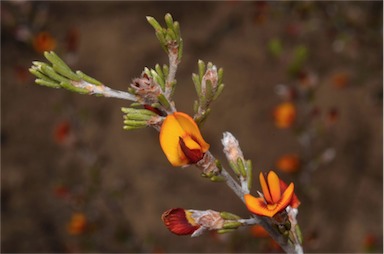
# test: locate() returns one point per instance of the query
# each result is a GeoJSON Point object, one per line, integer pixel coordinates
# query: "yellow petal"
{"type": "Point", "coordinates": [180, 125]}
{"type": "Point", "coordinates": [274, 186]}
{"type": "Point", "coordinates": [170, 133]}
{"type": "Point", "coordinates": [190, 127]}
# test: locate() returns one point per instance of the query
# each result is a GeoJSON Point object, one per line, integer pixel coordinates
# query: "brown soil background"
{"type": "Point", "coordinates": [123, 181]}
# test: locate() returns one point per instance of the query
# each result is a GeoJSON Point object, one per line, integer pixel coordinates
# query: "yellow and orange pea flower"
{"type": "Point", "coordinates": [44, 41]}
{"type": "Point", "coordinates": [284, 115]}
{"type": "Point", "coordinates": [276, 196]}
{"type": "Point", "coordinates": [181, 140]}
{"type": "Point", "coordinates": [288, 163]}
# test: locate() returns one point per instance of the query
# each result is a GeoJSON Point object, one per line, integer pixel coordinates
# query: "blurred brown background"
{"type": "Point", "coordinates": [121, 182]}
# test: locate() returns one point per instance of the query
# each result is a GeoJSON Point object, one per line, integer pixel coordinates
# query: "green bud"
{"type": "Point", "coordinates": [209, 90]}
{"type": "Point", "coordinates": [229, 216]}
{"type": "Point", "coordinates": [217, 178]}
{"type": "Point", "coordinates": [231, 225]}
{"type": "Point", "coordinates": [241, 167]}
{"type": "Point", "coordinates": [223, 231]}
{"type": "Point", "coordinates": [234, 167]}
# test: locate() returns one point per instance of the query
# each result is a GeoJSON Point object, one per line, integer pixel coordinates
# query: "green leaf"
{"type": "Point", "coordinates": [153, 22]}
{"type": "Point", "coordinates": [88, 79]}
{"type": "Point", "coordinates": [47, 83]}
{"type": "Point", "coordinates": [169, 20]}
{"type": "Point", "coordinates": [201, 66]}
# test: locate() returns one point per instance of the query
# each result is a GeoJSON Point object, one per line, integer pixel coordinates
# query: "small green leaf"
{"type": "Point", "coordinates": [229, 216]}
{"type": "Point", "coordinates": [220, 89]}
{"type": "Point", "coordinates": [153, 22]}
{"type": "Point", "coordinates": [88, 79]}
{"type": "Point", "coordinates": [223, 231]}
{"type": "Point", "coordinates": [47, 83]}
{"type": "Point", "coordinates": [47, 70]}
{"type": "Point", "coordinates": [163, 101]}
{"type": "Point", "coordinates": [196, 82]}
{"type": "Point", "coordinates": [249, 173]}
{"type": "Point", "coordinates": [201, 66]}
{"type": "Point", "coordinates": [169, 20]}
{"type": "Point", "coordinates": [232, 225]}
{"type": "Point", "coordinates": [241, 167]}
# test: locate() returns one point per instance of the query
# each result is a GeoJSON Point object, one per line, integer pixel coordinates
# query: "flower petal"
{"type": "Point", "coordinates": [170, 133]}
{"type": "Point", "coordinates": [265, 189]}
{"type": "Point", "coordinates": [274, 186]}
{"type": "Point", "coordinates": [295, 202]}
{"type": "Point", "coordinates": [178, 125]}
{"type": "Point", "coordinates": [189, 126]}
{"type": "Point", "coordinates": [179, 221]}
{"type": "Point", "coordinates": [286, 198]}
{"type": "Point", "coordinates": [258, 206]}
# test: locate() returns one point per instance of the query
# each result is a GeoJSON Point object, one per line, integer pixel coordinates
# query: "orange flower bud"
{"type": "Point", "coordinates": [179, 221]}
{"type": "Point", "coordinates": [276, 196]}
{"type": "Point", "coordinates": [191, 222]}
{"type": "Point", "coordinates": [44, 41]}
{"type": "Point", "coordinates": [181, 140]}
{"type": "Point", "coordinates": [288, 163]}
{"type": "Point", "coordinates": [285, 115]}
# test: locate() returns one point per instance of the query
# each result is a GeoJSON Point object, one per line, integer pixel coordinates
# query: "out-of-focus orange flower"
{"type": "Point", "coordinates": [332, 116]}
{"type": "Point", "coordinates": [284, 115]}
{"type": "Point", "coordinates": [181, 140]}
{"type": "Point", "coordinates": [340, 80]}
{"type": "Point", "coordinates": [259, 232]}
{"type": "Point", "coordinates": [276, 196]}
{"type": "Point", "coordinates": [44, 41]}
{"type": "Point", "coordinates": [78, 224]}
{"type": "Point", "coordinates": [62, 132]}
{"type": "Point", "coordinates": [289, 163]}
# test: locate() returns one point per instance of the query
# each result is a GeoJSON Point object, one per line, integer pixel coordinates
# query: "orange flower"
{"type": "Point", "coordinates": [181, 140]}
{"type": "Point", "coordinates": [77, 224]}
{"type": "Point", "coordinates": [276, 196]}
{"type": "Point", "coordinates": [179, 221]}
{"type": "Point", "coordinates": [288, 163]}
{"type": "Point", "coordinates": [285, 115]}
{"type": "Point", "coordinates": [191, 222]}
{"type": "Point", "coordinates": [44, 41]}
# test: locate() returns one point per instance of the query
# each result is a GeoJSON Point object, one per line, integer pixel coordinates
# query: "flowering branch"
{"type": "Point", "coordinates": [183, 144]}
